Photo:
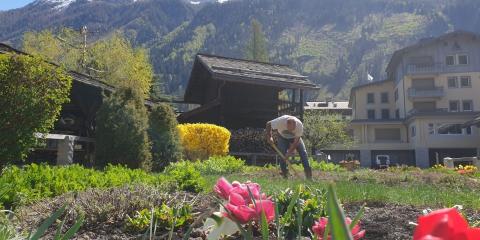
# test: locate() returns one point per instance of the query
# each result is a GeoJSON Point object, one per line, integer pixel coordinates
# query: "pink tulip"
{"type": "Point", "coordinates": [243, 214]}
{"type": "Point", "coordinates": [444, 224]}
{"type": "Point", "coordinates": [237, 199]}
{"type": "Point", "coordinates": [266, 206]}
{"type": "Point", "coordinates": [319, 229]}
{"type": "Point", "coordinates": [223, 188]}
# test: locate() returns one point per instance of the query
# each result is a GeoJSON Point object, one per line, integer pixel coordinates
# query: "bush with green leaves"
{"type": "Point", "coordinates": [164, 217]}
{"type": "Point", "coordinates": [220, 165]}
{"type": "Point", "coordinates": [32, 93]}
{"type": "Point", "coordinates": [186, 176]}
{"type": "Point", "coordinates": [20, 186]}
{"type": "Point", "coordinates": [163, 133]}
{"type": "Point", "coordinates": [121, 133]}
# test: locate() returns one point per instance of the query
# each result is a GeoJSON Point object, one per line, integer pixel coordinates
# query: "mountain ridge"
{"type": "Point", "coordinates": [335, 43]}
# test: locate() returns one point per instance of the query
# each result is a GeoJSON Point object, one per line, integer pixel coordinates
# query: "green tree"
{"type": "Point", "coordinates": [112, 59]}
{"type": "Point", "coordinates": [256, 48]}
{"type": "Point", "coordinates": [121, 133]}
{"type": "Point", "coordinates": [323, 130]}
{"type": "Point", "coordinates": [32, 93]}
{"type": "Point", "coordinates": [164, 136]}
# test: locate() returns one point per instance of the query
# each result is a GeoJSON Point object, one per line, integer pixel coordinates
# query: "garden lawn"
{"type": "Point", "coordinates": [421, 188]}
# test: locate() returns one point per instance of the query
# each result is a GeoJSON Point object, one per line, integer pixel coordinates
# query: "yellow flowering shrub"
{"type": "Point", "coordinates": [201, 140]}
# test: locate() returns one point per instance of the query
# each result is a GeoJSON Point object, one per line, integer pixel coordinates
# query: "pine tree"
{"type": "Point", "coordinates": [164, 136]}
{"type": "Point", "coordinates": [121, 133]}
{"type": "Point", "coordinates": [256, 48]}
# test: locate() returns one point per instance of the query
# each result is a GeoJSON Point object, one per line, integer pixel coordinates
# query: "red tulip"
{"type": "Point", "coordinates": [223, 188]}
{"type": "Point", "coordinates": [444, 224]}
{"type": "Point", "coordinates": [243, 214]}
{"type": "Point", "coordinates": [319, 228]}
{"type": "Point", "coordinates": [237, 199]}
{"type": "Point", "coordinates": [266, 206]}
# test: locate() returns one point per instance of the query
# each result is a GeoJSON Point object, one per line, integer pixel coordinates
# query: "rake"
{"type": "Point", "coordinates": [285, 159]}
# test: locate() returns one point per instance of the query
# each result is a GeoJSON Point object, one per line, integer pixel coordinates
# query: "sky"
{"type": "Point", "coordinates": [11, 4]}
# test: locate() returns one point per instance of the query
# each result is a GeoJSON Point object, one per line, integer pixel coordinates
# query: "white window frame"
{"type": "Point", "coordinates": [471, 105]}
{"type": "Point", "coordinates": [458, 59]}
{"type": "Point", "coordinates": [450, 106]}
{"type": "Point", "coordinates": [452, 78]}
{"type": "Point", "coordinates": [454, 60]}
{"type": "Point", "coordinates": [469, 81]}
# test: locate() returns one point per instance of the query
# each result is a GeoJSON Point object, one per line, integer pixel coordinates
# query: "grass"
{"type": "Point", "coordinates": [405, 188]}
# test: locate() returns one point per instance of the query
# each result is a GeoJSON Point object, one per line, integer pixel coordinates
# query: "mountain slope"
{"type": "Point", "coordinates": [336, 43]}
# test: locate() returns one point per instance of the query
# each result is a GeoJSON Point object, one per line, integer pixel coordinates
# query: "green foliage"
{"type": "Point", "coordinates": [34, 182]}
{"type": "Point", "coordinates": [121, 134]}
{"type": "Point", "coordinates": [164, 136]}
{"type": "Point", "coordinates": [220, 165]}
{"type": "Point", "coordinates": [186, 176]}
{"type": "Point", "coordinates": [31, 95]}
{"type": "Point", "coordinates": [311, 207]}
{"type": "Point", "coordinates": [321, 166]}
{"type": "Point", "coordinates": [256, 48]}
{"type": "Point", "coordinates": [121, 64]}
{"type": "Point", "coordinates": [164, 217]}
{"type": "Point", "coordinates": [323, 130]}
{"type": "Point", "coordinates": [113, 59]}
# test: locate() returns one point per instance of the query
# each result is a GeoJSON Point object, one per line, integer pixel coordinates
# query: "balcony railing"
{"type": "Point", "coordinates": [414, 69]}
{"type": "Point", "coordinates": [436, 92]}
{"type": "Point", "coordinates": [426, 111]}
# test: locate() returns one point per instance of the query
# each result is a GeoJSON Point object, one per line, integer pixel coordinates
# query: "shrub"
{"type": "Point", "coordinates": [121, 134]}
{"type": "Point", "coordinates": [164, 217]}
{"type": "Point", "coordinates": [164, 136]}
{"type": "Point", "coordinates": [31, 95]}
{"type": "Point", "coordinates": [220, 165]}
{"type": "Point", "coordinates": [186, 176]}
{"type": "Point", "coordinates": [201, 141]}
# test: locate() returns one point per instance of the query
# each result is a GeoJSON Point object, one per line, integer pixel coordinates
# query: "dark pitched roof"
{"type": "Point", "coordinates": [253, 72]}
{"type": "Point", "coordinates": [424, 42]}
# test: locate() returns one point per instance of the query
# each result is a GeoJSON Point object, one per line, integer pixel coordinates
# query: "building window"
{"type": "Point", "coordinates": [468, 130]}
{"type": "Point", "coordinates": [414, 131]}
{"type": "Point", "coordinates": [452, 82]}
{"type": "Point", "coordinates": [370, 98]}
{"type": "Point", "coordinates": [387, 134]}
{"type": "Point", "coordinates": [396, 94]}
{"type": "Point", "coordinates": [465, 82]}
{"type": "Point", "coordinates": [450, 60]}
{"type": "Point", "coordinates": [384, 97]}
{"type": "Point", "coordinates": [467, 105]}
{"type": "Point", "coordinates": [449, 129]}
{"type": "Point", "coordinates": [397, 114]}
{"type": "Point", "coordinates": [462, 59]}
{"type": "Point", "coordinates": [431, 128]}
{"type": "Point", "coordinates": [371, 114]}
{"type": "Point", "coordinates": [454, 106]}
{"type": "Point", "coordinates": [385, 114]}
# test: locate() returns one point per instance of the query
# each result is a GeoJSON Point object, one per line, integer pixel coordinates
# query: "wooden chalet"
{"type": "Point", "coordinates": [237, 93]}
{"type": "Point", "coordinates": [72, 139]}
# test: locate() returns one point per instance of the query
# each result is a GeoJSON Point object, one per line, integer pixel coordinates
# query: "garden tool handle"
{"type": "Point", "coordinates": [284, 158]}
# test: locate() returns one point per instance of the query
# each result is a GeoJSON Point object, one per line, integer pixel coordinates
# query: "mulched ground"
{"type": "Point", "coordinates": [106, 211]}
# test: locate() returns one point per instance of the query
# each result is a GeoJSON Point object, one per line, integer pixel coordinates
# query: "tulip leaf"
{"type": "Point", "coordinates": [336, 218]}
{"type": "Point", "coordinates": [291, 205]}
{"type": "Point", "coordinates": [357, 217]}
{"type": "Point", "coordinates": [47, 223]}
{"type": "Point", "coordinates": [299, 220]}
{"type": "Point", "coordinates": [277, 222]}
{"type": "Point", "coordinates": [78, 223]}
{"type": "Point", "coordinates": [265, 233]}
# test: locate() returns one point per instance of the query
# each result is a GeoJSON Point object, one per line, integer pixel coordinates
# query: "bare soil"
{"type": "Point", "coordinates": [105, 212]}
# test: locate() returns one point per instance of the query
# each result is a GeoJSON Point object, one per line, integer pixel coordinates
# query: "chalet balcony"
{"type": "Point", "coordinates": [421, 93]}
{"type": "Point", "coordinates": [427, 111]}
{"type": "Point", "coordinates": [421, 69]}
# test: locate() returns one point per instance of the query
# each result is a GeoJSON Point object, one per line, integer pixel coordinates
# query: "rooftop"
{"type": "Point", "coordinates": [327, 105]}
{"type": "Point", "coordinates": [254, 72]}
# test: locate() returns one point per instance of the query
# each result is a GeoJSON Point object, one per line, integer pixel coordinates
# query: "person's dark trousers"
{"type": "Point", "coordinates": [283, 145]}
